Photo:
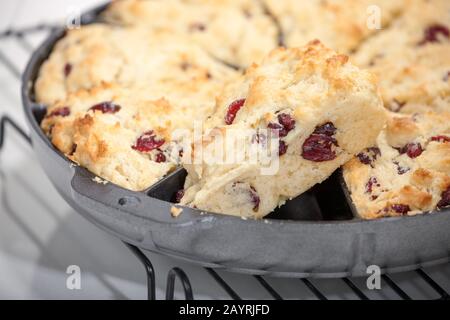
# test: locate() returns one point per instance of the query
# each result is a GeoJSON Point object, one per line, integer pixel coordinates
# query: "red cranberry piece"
{"type": "Point", "coordinates": [446, 77]}
{"type": "Point", "coordinates": [277, 127]}
{"type": "Point", "coordinates": [286, 121]}
{"type": "Point", "coordinates": [106, 107]}
{"type": "Point", "coordinates": [371, 183]}
{"type": "Point", "coordinates": [319, 145]}
{"type": "Point", "coordinates": [233, 108]}
{"type": "Point", "coordinates": [412, 149]}
{"type": "Point", "coordinates": [369, 155]}
{"type": "Point", "coordinates": [400, 208]}
{"type": "Point", "coordinates": [255, 199]}
{"type": "Point", "coordinates": [197, 26]}
{"type": "Point", "coordinates": [67, 69]}
{"type": "Point", "coordinates": [160, 157]}
{"type": "Point", "coordinates": [318, 148]}
{"type": "Point", "coordinates": [147, 142]}
{"type": "Point", "coordinates": [178, 195]}
{"type": "Point", "coordinates": [61, 112]}
{"type": "Point", "coordinates": [445, 199]}
{"type": "Point", "coordinates": [401, 170]}
{"type": "Point", "coordinates": [440, 138]}
{"type": "Point", "coordinates": [431, 34]}
{"type": "Point", "coordinates": [282, 148]}
{"type": "Point", "coordinates": [327, 129]}
{"type": "Point", "coordinates": [285, 124]}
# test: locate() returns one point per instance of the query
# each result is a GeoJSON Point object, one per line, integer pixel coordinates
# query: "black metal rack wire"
{"type": "Point", "coordinates": [175, 273]}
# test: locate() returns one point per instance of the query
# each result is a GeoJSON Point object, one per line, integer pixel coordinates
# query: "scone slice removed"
{"type": "Point", "coordinates": [407, 170]}
{"type": "Point", "coordinates": [323, 110]}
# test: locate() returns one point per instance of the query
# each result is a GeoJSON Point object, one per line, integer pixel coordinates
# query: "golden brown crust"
{"type": "Point", "coordinates": [398, 177]}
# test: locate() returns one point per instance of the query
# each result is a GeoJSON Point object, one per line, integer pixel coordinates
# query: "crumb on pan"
{"type": "Point", "coordinates": [175, 212]}
{"type": "Point", "coordinates": [99, 180]}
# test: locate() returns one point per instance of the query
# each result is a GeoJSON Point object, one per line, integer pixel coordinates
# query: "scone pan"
{"type": "Point", "coordinates": [316, 234]}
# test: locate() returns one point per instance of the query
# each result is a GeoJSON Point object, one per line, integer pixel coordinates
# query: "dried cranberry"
{"type": "Point", "coordinates": [400, 208]}
{"type": "Point", "coordinates": [67, 69]}
{"type": "Point", "coordinates": [255, 199]}
{"type": "Point", "coordinates": [431, 34]}
{"type": "Point", "coordinates": [197, 26]}
{"type": "Point", "coordinates": [178, 195]}
{"type": "Point", "coordinates": [445, 199]}
{"type": "Point", "coordinates": [160, 157]}
{"type": "Point", "coordinates": [440, 138]}
{"type": "Point", "coordinates": [106, 107]}
{"type": "Point", "coordinates": [369, 155]}
{"type": "Point", "coordinates": [61, 112]}
{"type": "Point", "coordinates": [286, 121]}
{"type": "Point", "coordinates": [233, 108]}
{"type": "Point", "coordinates": [282, 148]}
{"type": "Point", "coordinates": [147, 142]}
{"type": "Point", "coordinates": [401, 170]}
{"type": "Point", "coordinates": [277, 127]}
{"type": "Point", "coordinates": [412, 149]}
{"type": "Point", "coordinates": [446, 77]}
{"type": "Point", "coordinates": [318, 148]}
{"type": "Point", "coordinates": [285, 124]}
{"type": "Point", "coordinates": [371, 183]}
{"type": "Point", "coordinates": [327, 129]}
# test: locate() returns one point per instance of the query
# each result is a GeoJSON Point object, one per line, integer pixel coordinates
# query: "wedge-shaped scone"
{"type": "Point", "coordinates": [129, 136]}
{"type": "Point", "coordinates": [324, 111]}
{"type": "Point", "coordinates": [339, 24]}
{"type": "Point", "coordinates": [407, 171]}
{"type": "Point", "coordinates": [412, 58]}
{"type": "Point", "coordinates": [128, 56]}
{"type": "Point", "coordinates": [236, 31]}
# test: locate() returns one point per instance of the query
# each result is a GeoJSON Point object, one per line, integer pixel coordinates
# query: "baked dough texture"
{"type": "Point", "coordinates": [339, 24]}
{"type": "Point", "coordinates": [411, 58]}
{"type": "Point", "coordinates": [407, 171]}
{"type": "Point", "coordinates": [127, 56]}
{"type": "Point", "coordinates": [238, 32]}
{"type": "Point", "coordinates": [322, 101]}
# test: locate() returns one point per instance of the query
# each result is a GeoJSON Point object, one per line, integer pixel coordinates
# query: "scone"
{"type": "Point", "coordinates": [238, 32]}
{"type": "Point", "coordinates": [322, 109]}
{"type": "Point", "coordinates": [99, 53]}
{"type": "Point", "coordinates": [412, 58]}
{"type": "Point", "coordinates": [339, 24]}
{"type": "Point", "coordinates": [407, 171]}
{"type": "Point", "coordinates": [129, 136]}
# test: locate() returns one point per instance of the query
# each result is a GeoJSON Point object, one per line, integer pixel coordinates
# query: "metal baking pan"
{"type": "Point", "coordinates": [316, 234]}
